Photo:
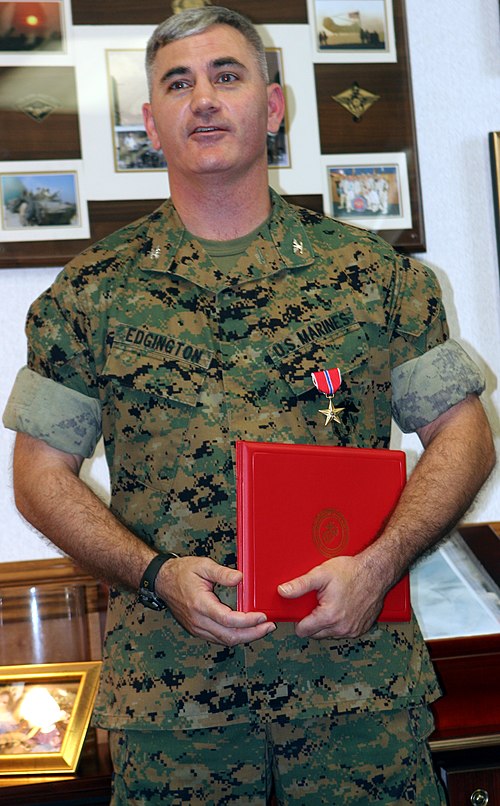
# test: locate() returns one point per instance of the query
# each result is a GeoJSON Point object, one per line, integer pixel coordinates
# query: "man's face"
{"type": "Point", "coordinates": [210, 108]}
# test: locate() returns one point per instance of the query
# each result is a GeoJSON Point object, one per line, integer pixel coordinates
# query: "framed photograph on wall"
{"type": "Point", "coordinates": [297, 147]}
{"type": "Point", "coordinates": [119, 161]}
{"type": "Point", "coordinates": [352, 31]}
{"type": "Point", "coordinates": [42, 201]}
{"type": "Point", "coordinates": [494, 139]}
{"type": "Point", "coordinates": [45, 712]}
{"type": "Point", "coordinates": [35, 33]}
{"type": "Point", "coordinates": [278, 145]}
{"type": "Point", "coordinates": [127, 91]}
{"type": "Point", "coordinates": [369, 190]}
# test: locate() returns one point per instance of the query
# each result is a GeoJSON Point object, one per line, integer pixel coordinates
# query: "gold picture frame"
{"type": "Point", "coordinates": [45, 711]}
{"type": "Point", "coordinates": [494, 138]}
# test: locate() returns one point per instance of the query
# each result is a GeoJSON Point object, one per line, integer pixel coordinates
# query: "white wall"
{"type": "Point", "coordinates": [455, 56]}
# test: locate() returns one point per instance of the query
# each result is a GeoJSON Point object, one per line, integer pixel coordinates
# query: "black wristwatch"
{"type": "Point", "coordinates": [146, 594]}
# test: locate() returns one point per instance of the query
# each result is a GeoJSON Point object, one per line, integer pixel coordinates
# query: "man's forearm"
{"type": "Point", "coordinates": [457, 459]}
{"type": "Point", "coordinates": [52, 498]}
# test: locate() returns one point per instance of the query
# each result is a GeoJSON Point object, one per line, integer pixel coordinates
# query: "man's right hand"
{"type": "Point", "coordinates": [187, 585]}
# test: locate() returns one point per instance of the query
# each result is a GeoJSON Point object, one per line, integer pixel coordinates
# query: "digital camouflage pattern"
{"type": "Point", "coordinates": [350, 759]}
{"type": "Point", "coordinates": [184, 359]}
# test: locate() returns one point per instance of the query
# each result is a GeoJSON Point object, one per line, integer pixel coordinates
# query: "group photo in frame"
{"type": "Point", "coordinates": [45, 711]}
{"type": "Point", "coordinates": [347, 31]}
{"type": "Point", "coordinates": [42, 201]}
{"type": "Point", "coordinates": [369, 190]}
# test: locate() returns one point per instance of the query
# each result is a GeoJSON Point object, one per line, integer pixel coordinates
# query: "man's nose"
{"type": "Point", "coordinates": [203, 97]}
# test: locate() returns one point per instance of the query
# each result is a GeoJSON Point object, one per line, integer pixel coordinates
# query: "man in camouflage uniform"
{"type": "Point", "coordinates": [199, 325]}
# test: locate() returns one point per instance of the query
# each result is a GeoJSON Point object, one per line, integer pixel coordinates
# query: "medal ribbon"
{"type": "Point", "coordinates": [327, 381]}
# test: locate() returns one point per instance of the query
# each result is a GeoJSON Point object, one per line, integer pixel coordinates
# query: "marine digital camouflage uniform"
{"type": "Point", "coordinates": [182, 360]}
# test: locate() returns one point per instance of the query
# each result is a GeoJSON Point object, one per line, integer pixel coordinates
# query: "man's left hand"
{"type": "Point", "coordinates": [349, 601]}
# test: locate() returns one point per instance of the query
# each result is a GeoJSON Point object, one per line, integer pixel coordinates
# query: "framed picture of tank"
{"type": "Point", "coordinates": [42, 201]}
{"type": "Point", "coordinates": [494, 139]}
{"type": "Point", "coordinates": [352, 31]}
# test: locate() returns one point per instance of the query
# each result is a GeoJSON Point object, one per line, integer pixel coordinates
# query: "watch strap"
{"type": "Point", "coordinates": [147, 594]}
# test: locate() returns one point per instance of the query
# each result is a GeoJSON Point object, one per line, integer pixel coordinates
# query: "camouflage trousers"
{"type": "Point", "coordinates": [358, 759]}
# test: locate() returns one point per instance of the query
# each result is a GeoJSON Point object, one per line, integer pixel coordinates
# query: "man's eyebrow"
{"type": "Point", "coordinates": [227, 61]}
{"type": "Point", "coordinates": [221, 61]}
{"type": "Point", "coordinates": [175, 71]}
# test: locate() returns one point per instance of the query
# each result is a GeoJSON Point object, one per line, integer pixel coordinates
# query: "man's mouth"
{"type": "Point", "coordinates": [206, 129]}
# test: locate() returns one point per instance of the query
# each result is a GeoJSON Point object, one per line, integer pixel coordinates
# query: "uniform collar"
{"type": "Point", "coordinates": [165, 249]}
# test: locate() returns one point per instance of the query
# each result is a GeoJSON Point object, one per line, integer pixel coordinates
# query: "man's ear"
{"type": "Point", "coordinates": [275, 107]}
{"type": "Point", "coordinates": [149, 123]}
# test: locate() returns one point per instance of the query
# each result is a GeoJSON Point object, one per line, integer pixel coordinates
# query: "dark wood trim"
{"type": "Point", "coordinates": [123, 12]}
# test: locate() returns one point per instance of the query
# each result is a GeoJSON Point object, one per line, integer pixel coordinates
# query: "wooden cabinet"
{"type": "Point", "coordinates": [471, 776]}
{"type": "Point", "coordinates": [465, 744]}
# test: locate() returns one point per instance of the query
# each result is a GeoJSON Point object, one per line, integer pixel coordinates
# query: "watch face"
{"type": "Point", "coordinates": [151, 600]}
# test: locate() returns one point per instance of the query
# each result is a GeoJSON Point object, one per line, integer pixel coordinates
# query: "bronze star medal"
{"type": "Point", "coordinates": [328, 381]}
{"type": "Point", "coordinates": [331, 413]}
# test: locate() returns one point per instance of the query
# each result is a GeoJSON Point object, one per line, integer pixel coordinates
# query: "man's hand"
{"type": "Point", "coordinates": [349, 600]}
{"type": "Point", "coordinates": [187, 585]}
{"type": "Point", "coordinates": [457, 459]}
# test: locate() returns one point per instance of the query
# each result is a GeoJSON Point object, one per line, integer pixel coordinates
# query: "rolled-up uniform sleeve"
{"type": "Point", "coordinates": [56, 396]}
{"type": "Point", "coordinates": [427, 386]}
{"type": "Point", "coordinates": [60, 416]}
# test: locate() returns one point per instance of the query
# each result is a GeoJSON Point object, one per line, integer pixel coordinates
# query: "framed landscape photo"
{"type": "Point", "coordinates": [41, 201]}
{"type": "Point", "coordinates": [45, 711]}
{"type": "Point", "coordinates": [352, 30]}
{"type": "Point", "coordinates": [369, 190]}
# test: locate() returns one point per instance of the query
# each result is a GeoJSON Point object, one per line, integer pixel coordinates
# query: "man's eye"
{"type": "Point", "coordinates": [227, 78]}
{"type": "Point", "coordinates": [178, 85]}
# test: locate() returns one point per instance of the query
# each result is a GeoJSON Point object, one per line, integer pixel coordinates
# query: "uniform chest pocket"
{"type": "Point", "coordinates": [348, 350]}
{"type": "Point", "coordinates": [149, 402]}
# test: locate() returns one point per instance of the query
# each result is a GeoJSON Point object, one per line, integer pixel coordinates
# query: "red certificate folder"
{"type": "Point", "coordinates": [299, 505]}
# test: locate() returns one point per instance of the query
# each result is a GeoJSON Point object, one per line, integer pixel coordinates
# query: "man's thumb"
{"type": "Point", "coordinates": [295, 587]}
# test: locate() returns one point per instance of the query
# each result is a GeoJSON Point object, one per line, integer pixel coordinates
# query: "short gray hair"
{"type": "Point", "coordinates": [196, 21]}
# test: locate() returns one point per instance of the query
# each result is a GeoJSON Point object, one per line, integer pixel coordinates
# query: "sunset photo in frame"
{"type": "Point", "coordinates": [369, 190]}
{"type": "Point", "coordinates": [35, 33]}
{"type": "Point", "coordinates": [352, 30]}
{"type": "Point", "coordinates": [45, 711]}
